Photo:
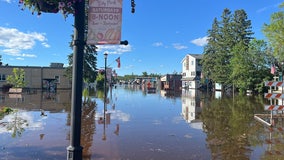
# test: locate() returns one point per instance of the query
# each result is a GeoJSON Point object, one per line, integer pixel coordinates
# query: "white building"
{"type": "Point", "coordinates": [191, 71]}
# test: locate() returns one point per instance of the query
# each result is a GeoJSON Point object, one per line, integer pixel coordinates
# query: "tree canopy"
{"type": "Point", "coordinates": [17, 79]}
{"type": "Point", "coordinates": [89, 59]}
{"type": "Point", "coordinates": [232, 55]}
{"type": "Point", "coordinates": [275, 35]}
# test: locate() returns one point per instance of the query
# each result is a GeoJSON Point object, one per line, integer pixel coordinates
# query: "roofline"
{"type": "Point", "coordinates": [197, 56]}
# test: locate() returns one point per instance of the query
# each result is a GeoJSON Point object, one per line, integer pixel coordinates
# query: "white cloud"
{"type": "Point", "coordinates": [14, 41]}
{"type": "Point", "coordinates": [200, 41]}
{"type": "Point", "coordinates": [8, 1]}
{"type": "Point", "coordinates": [45, 44]}
{"type": "Point", "coordinates": [114, 49]}
{"type": "Point", "coordinates": [178, 46]}
{"type": "Point", "coordinates": [16, 52]}
{"type": "Point", "coordinates": [28, 55]}
{"type": "Point", "coordinates": [158, 44]}
{"type": "Point", "coordinates": [11, 51]}
{"type": "Point", "coordinates": [20, 58]}
{"type": "Point", "coordinates": [268, 8]}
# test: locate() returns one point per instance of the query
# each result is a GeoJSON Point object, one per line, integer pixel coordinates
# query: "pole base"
{"type": "Point", "coordinates": [74, 153]}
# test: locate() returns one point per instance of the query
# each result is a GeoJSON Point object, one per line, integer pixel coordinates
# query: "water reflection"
{"type": "Point", "coordinates": [230, 127]}
{"type": "Point", "coordinates": [88, 128]}
{"type": "Point", "coordinates": [133, 124]}
{"type": "Point", "coordinates": [37, 130]}
{"type": "Point", "coordinates": [19, 121]}
{"type": "Point", "coordinates": [191, 105]}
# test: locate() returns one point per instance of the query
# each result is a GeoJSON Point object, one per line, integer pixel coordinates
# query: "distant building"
{"type": "Point", "coordinates": [171, 82]}
{"type": "Point", "coordinates": [49, 78]}
{"type": "Point", "coordinates": [191, 71]}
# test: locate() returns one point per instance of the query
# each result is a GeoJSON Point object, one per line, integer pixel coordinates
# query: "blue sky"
{"type": "Point", "coordinates": [160, 33]}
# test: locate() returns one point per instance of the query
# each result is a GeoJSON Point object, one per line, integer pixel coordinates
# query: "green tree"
{"type": "Point", "coordinates": [275, 35]}
{"type": "Point", "coordinates": [233, 32]}
{"type": "Point", "coordinates": [17, 79]}
{"type": "Point", "coordinates": [250, 66]}
{"type": "Point", "coordinates": [89, 59]}
{"type": "Point", "coordinates": [222, 67]}
{"type": "Point", "coordinates": [100, 80]}
{"type": "Point", "coordinates": [209, 55]}
{"type": "Point", "coordinates": [241, 64]}
{"type": "Point", "coordinates": [241, 28]}
{"type": "Point", "coordinates": [89, 64]}
{"type": "Point", "coordinates": [145, 74]}
{"type": "Point", "coordinates": [1, 63]}
{"type": "Point", "coordinates": [260, 59]}
{"type": "Point", "coordinates": [218, 50]}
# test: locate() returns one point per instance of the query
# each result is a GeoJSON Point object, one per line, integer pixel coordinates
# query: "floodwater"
{"type": "Point", "coordinates": [137, 125]}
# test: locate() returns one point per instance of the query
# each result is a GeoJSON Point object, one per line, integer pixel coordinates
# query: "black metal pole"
{"type": "Point", "coordinates": [105, 81]}
{"type": "Point", "coordinates": [74, 150]}
{"type": "Point", "coordinates": [105, 97]}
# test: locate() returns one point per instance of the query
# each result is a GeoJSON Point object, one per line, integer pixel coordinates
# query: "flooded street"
{"type": "Point", "coordinates": [140, 126]}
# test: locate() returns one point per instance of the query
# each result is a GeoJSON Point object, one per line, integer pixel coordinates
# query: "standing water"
{"type": "Point", "coordinates": [137, 125]}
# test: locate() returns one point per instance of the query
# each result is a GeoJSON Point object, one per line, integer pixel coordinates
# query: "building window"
{"type": "Point", "coordinates": [192, 62]}
{"type": "Point", "coordinates": [57, 79]}
{"type": "Point", "coordinates": [192, 74]}
{"type": "Point", "coordinates": [2, 77]}
{"type": "Point", "coordinates": [187, 63]}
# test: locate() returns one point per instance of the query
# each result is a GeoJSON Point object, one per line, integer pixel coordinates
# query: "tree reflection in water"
{"type": "Point", "coordinates": [88, 124]}
{"type": "Point", "coordinates": [230, 127]}
{"type": "Point", "coordinates": [231, 132]}
{"type": "Point", "coordinates": [16, 125]}
{"type": "Point", "coordinates": [19, 121]}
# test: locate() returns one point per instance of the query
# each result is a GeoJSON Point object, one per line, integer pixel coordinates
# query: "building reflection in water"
{"type": "Point", "coordinates": [191, 107]}
{"type": "Point", "coordinates": [36, 114]}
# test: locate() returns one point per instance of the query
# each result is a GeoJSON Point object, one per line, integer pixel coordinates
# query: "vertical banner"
{"type": "Point", "coordinates": [104, 22]}
{"type": "Point", "coordinates": [109, 74]}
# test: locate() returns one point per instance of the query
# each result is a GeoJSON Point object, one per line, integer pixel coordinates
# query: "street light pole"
{"type": "Point", "coordinates": [105, 97]}
{"type": "Point", "coordinates": [105, 81]}
{"type": "Point", "coordinates": [74, 150]}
